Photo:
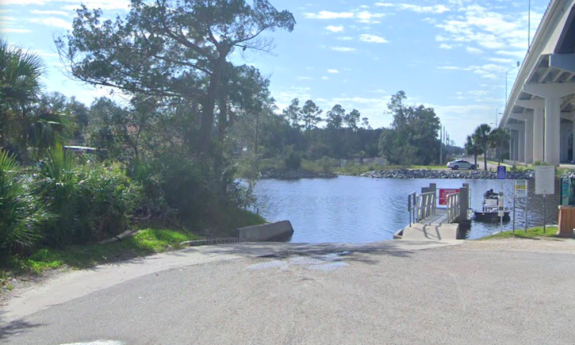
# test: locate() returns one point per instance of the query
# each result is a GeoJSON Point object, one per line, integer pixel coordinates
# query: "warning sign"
{"type": "Point", "coordinates": [443, 193]}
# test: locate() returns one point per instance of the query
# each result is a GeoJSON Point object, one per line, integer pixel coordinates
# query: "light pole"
{"type": "Point", "coordinates": [529, 27]}
{"type": "Point", "coordinates": [497, 115]}
{"type": "Point", "coordinates": [506, 77]}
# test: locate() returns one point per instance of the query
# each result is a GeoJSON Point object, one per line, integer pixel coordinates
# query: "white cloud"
{"type": "Point", "coordinates": [103, 4]}
{"type": "Point", "coordinates": [362, 16]}
{"type": "Point", "coordinates": [52, 21]}
{"type": "Point", "coordinates": [303, 78]}
{"type": "Point", "coordinates": [473, 50]}
{"type": "Point", "coordinates": [487, 27]}
{"type": "Point", "coordinates": [438, 9]}
{"type": "Point", "coordinates": [372, 38]}
{"type": "Point", "coordinates": [14, 30]}
{"type": "Point", "coordinates": [345, 38]}
{"type": "Point", "coordinates": [343, 49]}
{"type": "Point", "coordinates": [501, 60]}
{"type": "Point", "coordinates": [445, 46]}
{"type": "Point", "coordinates": [56, 13]}
{"type": "Point", "coordinates": [329, 15]}
{"type": "Point", "coordinates": [335, 28]}
{"type": "Point", "coordinates": [324, 78]}
{"type": "Point", "coordinates": [332, 71]}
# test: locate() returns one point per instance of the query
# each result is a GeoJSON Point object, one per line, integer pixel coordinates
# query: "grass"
{"type": "Point", "coordinates": [146, 242]}
{"type": "Point", "coordinates": [536, 232]}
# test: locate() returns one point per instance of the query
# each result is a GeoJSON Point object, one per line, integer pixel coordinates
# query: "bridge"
{"type": "Point", "coordinates": [429, 223]}
{"type": "Point", "coordinates": [540, 110]}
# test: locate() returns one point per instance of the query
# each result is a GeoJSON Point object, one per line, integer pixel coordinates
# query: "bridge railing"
{"type": "Point", "coordinates": [426, 205]}
{"type": "Point", "coordinates": [453, 207]}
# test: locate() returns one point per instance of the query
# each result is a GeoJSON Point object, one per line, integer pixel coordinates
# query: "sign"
{"type": "Point", "coordinates": [443, 193]}
{"type": "Point", "coordinates": [521, 188]}
{"type": "Point", "coordinates": [502, 172]}
{"type": "Point", "coordinates": [545, 180]}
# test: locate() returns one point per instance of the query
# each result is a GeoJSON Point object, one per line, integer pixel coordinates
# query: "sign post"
{"type": "Point", "coordinates": [545, 185]}
{"type": "Point", "coordinates": [521, 193]}
{"type": "Point", "coordinates": [501, 175]}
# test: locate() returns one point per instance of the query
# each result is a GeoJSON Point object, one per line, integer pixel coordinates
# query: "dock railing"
{"type": "Point", "coordinates": [412, 207]}
{"type": "Point", "coordinates": [426, 205]}
{"type": "Point", "coordinates": [453, 207]}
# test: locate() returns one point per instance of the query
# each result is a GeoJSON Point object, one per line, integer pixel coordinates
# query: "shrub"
{"type": "Point", "coordinates": [293, 161]}
{"type": "Point", "coordinates": [20, 214]}
{"type": "Point", "coordinates": [88, 202]}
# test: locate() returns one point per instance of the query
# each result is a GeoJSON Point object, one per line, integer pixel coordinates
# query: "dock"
{"type": "Point", "coordinates": [427, 222]}
{"type": "Point", "coordinates": [433, 228]}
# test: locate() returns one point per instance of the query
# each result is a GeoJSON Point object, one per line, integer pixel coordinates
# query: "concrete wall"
{"type": "Point", "coordinates": [265, 232]}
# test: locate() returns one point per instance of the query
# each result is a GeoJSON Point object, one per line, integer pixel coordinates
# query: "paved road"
{"type": "Point", "coordinates": [393, 293]}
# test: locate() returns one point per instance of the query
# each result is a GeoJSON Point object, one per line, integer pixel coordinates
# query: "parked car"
{"type": "Point", "coordinates": [461, 164]}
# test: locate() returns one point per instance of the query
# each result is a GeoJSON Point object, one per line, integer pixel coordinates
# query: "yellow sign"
{"type": "Point", "coordinates": [521, 188]}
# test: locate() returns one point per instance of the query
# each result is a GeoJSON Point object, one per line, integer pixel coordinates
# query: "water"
{"type": "Point", "coordinates": [362, 210]}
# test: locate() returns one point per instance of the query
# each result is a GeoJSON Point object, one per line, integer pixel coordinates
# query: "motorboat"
{"type": "Point", "coordinates": [490, 209]}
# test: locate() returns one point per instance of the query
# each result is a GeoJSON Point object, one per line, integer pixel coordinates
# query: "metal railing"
{"type": "Point", "coordinates": [453, 207]}
{"type": "Point", "coordinates": [412, 207]}
{"type": "Point", "coordinates": [426, 205]}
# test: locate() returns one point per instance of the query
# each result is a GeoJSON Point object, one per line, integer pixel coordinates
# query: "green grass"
{"type": "Point", "coordinates": [535, 232]}
{"type": "Point", "coordinates": [146, 242]}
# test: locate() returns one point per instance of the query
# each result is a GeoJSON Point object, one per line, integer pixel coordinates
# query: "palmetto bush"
{"type": "Point", "coordinates": [20, 213]}
{"type": "Point", "coordinates": [89, 202]}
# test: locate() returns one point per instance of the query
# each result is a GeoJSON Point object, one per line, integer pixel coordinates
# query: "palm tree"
{"type": "Point", "coordinates": [473, 148]}
{"type": "Point", "coordinates": [498, 138]}
{"type": "Point", "coordinates": [482, 136]}
{"type": "Point", "coordinates": [20, 73]}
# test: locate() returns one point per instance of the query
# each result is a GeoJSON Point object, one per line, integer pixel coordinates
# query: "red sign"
{"type": "Point", "coordinates": [443, 193]}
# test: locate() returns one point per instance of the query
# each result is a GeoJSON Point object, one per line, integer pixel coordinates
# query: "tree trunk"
{"type": "Point", "coordinates": [222, 119]}
{"type": "Point", "coordinates": [207, 119]}
{"type": "Point", "coordinates": [475, 156]}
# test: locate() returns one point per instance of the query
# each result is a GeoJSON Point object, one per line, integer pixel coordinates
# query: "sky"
{"type": "Point", "coordinates": [452, 55]}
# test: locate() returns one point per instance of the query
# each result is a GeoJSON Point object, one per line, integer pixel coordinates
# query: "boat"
{"type": "Point", "coordinates": [490, 209]}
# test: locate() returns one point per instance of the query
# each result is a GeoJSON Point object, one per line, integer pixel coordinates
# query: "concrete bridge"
{"type": "Point", "coordinates": [540, 110]}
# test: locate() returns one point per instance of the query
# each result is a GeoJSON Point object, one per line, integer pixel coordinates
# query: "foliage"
{"type": "Point", "coordinates": [412, 138]}
{"type": "Point", "coordinates": [551, 231]}
{"type": "Point", "coordinates": [146, 241]}
{"type": "Point", "coordinates": [293, 160]}
{"type": "Point", "coordinates": [481, 136]}
{"type": "Point", "coordinates": [473, 147]}
{"type": "Point", "coordinates": [20, 211]}
{"type": "Point", "coordinates": [89, 202]}
{"type": "Point", "coordinates": [174, 50]}
{"type": "Point", "coordinates": [499, 139]}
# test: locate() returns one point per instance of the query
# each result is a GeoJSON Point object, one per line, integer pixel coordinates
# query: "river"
{"type": "Point", "coordinates": [361, 210]}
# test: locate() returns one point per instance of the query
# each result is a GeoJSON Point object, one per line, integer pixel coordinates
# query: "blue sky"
{"type": "Point", "coordinates": [451, 55]}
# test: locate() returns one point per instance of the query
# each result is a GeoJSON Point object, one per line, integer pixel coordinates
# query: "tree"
{"type": "Point", "coordinates": [293, 114]}
{"type": "Point", "coordinates": [170, 49]}
{"type": "Point", "coordinates": [473, 148]}
{"type": "Point", "coordinates": [413, 134]}
{"type": "Point", "coordinates": [481, 134]}
{"type": "Point", "coordinates": [499, 138]}
{"type": "Point", "coordinates": [20, 73]}
{"type": "Point", "coordinates": [352, 119]}
{"type": "Point", "coordinates": [335, 117]}
{"type": "Point", "coordinates": [311, 115]}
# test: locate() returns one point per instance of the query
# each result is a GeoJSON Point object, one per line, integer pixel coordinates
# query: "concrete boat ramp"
{"type": "Point", "coordinates": [433, 228]}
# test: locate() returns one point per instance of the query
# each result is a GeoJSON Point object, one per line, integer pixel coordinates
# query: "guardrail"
{"type": "Point", "coordinates": [453, 207]}
{"type": "Point", "coordinates": [426, 205]}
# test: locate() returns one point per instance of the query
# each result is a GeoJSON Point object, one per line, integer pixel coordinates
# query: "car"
{"type": "Point", "coordinates": [461, 164]}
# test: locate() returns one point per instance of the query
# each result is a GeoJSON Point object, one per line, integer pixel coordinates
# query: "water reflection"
{"type": "Point", "coordinates": [361, 210]}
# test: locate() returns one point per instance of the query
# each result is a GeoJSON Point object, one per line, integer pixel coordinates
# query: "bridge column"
{"type": "Point", "coordinates": [521, 146]}
{"type": "Point", "coordinates": [552, 94]}
{"type": "Point", "coordinates": [538, 143]}
{"type": "Point", "coordinates": [573, 141]}
{"type": "Point", "coordinates": [528, 137]}
{"type": "Point", "coordinates": [552, 130]}
{"type": "Point", "coordinates": [537, 105]}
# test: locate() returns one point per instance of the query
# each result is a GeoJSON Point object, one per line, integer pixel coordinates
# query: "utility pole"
{"type": "Point", "coordinates": [441, 146]}
{"type": "Point", "coordinates": [529, 27]}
